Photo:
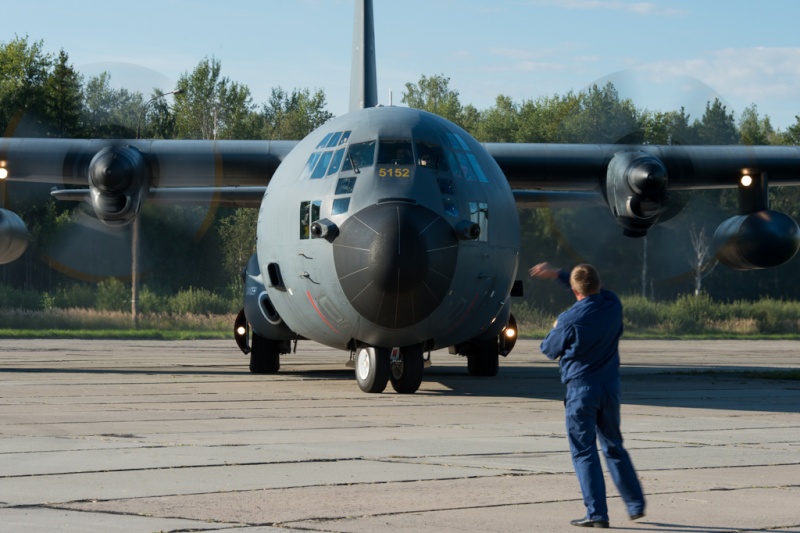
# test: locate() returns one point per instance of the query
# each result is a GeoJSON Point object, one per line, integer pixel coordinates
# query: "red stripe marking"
{"type": "Point", "coordinates": [313, 303]}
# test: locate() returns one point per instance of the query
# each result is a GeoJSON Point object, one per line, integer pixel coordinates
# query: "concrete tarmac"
{"type": "Point", "coordinates": [143, 436]}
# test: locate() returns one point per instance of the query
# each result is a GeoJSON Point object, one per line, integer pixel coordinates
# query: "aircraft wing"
{"type": "Point", "coordinates": [172, 163]}
{"type": "Point", "coordinates": [636, 182]}
{"type": "Point", "coordinates": [585, 167]}
{"type": "Point", "coordinates": [219, 196]}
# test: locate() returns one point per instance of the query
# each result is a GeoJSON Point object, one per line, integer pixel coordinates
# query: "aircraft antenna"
{"type": "Point", "coordinates": [363, 77]}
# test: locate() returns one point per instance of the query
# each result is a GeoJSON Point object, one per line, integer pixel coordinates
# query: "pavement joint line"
{"type": "Point", "coordinates": [524, 503]}
{"type": "Point", "coordinates": [59, 507]}
{"type": "Point", "coordinates": [184, 467]}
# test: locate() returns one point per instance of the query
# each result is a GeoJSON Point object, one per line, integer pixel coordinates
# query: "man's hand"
{"type": "Point", "coordinates": [544, 271]}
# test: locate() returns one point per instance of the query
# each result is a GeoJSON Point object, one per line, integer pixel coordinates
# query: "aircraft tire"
{"type": "Point", "coordinates": [265, 356]}
{"type": "Point", "coordinates": [484, 358]}
{"type": "Point", "coordinates": [406, 374]}
{"type": "Point", "coordinates": [372, 369]}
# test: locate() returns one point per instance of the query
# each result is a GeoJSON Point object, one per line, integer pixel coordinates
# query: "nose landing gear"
{"type": "Point", "coordinates": [375, 367]}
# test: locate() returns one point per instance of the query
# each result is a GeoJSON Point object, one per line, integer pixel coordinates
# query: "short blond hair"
{"type": "Point", "coordinates": [585, 280]}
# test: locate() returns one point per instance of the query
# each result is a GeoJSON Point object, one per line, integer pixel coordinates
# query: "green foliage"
{"type": "Point", "coordinates": [64, 98]}
{"type": "Point", "coordinates": [690, 314]}
{"type": "Point", "coordinates": [641, 313]}
{"type": "Point", "coordinates": [24, 69]}
{"type": "Point", "coordinates": [718, 126]}
{"type": "Point", "coordinates": [75, 295]}
{"type": "Point", "coordinates": [212, 106]}
{"type": "Point", "coordinates": [237, 233]}
{"type": "Point", "coordinates": [151, 302]}
{"type": "Point", "coordinates": [198, 301]}
{"type": "Point", "coordinates": [11, 298]}
{"type": "Point", "coordinates": [755, 130]}
{"type": "Point", "coordinates": [293, 116]}
{"type": "Point", "coordinates": [113, 295]}
{"type": "Point", "coordinates": [792, 134]}
{"type": "Point", "coordinates": [434, 95]}
{"type": "Point", "coordinates": [110, 113]}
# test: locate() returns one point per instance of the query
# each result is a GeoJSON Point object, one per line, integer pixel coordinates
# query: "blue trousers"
{"type": "Point", "coordinates": [593, 413]}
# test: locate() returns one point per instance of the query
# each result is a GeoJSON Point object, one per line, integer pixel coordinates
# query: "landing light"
{"type": "Point", "coordinates": [3, 173]}
{"type": "Point", "coordinates": [241, 330]}
{"type": "Point", "coordinates": [511, 333]}
{"type": "Point", "coordinates": [747, 180]}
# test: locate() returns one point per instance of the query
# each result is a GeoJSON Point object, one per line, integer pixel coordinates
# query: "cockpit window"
{"type": "Point", "coordinates": [322, 165]}
{"type": "Point", "coordinates": [336, 162]}
{"type": "Point", "coordinates": [324, 142]}
{"type": "Point", "coordinates": [334, 140]}
{"type": "Point", "coordinates": [462, 160]}
{"type": "Point", "coordinates": [431, 155]}
{"type": "Point", "coordinates": [395, 153]}
{"type": "Point", "coordinates": [359, 155]}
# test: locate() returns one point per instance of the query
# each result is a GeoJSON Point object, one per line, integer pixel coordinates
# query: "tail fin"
{"type": "Point", "coordinates": [363, 78]}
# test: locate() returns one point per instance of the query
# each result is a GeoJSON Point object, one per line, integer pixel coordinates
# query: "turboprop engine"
{"type": "Point", "coordinates": [13, 236]}
{"type": "Point", "coordinates": [758, 237]}
{"type": "Point", "coordinates": [636, 191]}
{"type": "Point", "coordinates": [118, 184]}
{"type": "Point", "coordinates": [763, 239]}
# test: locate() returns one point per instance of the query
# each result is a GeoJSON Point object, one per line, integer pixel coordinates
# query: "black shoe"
{"type": "Point", "coordinates": [585, 522]}
{"type": "Point", "coordinates": [637, 516]}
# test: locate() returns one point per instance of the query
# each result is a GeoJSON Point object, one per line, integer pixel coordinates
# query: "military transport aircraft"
{"type": "Point", "coordinates": [389, 232]}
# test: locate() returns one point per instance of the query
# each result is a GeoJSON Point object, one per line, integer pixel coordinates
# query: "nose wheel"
{"type": "Point", "coordinates": [406, 365]}
{"type": "Point", "coordinates": [372, 369]}
{"type": "Point", "coordinates": [375, 367]}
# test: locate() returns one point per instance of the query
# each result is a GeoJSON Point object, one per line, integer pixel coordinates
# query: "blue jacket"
{"type": "Point", "coordinates": [586, 338]}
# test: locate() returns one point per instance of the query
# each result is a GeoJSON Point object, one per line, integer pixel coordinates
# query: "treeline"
{"type": "Point", "coordinates": [41, 95]}
{"type": "Point", "coordinates": [687, 315]}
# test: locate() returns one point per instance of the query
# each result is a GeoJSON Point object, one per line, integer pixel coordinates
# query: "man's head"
{"type": "Point", "coordinates": [584, 281]}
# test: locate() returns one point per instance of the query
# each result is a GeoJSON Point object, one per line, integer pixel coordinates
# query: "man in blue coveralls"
{"type": "Point", "coordinates": [586, 338]}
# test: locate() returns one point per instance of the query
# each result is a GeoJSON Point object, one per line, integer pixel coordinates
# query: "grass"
{"type": "Point", "coordinates": [685, 318]}
{"type": "Point", "coordinates": [121, 334]}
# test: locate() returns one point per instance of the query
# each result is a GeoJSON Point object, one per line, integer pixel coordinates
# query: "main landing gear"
{"type": "Point", "coordinates": [376, 367]}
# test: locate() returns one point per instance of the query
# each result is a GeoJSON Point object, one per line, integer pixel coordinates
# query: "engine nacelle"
{"type": "Point", "coordinates": [763, 239]}
{"type": "Point", "coordinates": [118, 184]}
{"type": "Point", "coordinates": [13, 236]}
{"type": "Point", "coordinates": [636, 191]}
{"type": "Point", "coordinates": [258, 309]}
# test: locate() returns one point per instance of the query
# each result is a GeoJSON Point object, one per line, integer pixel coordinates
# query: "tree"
{"type": "Point", "coordinates": [110, 113]}
{"type": "Point", "coordinates": [755, 130]}
{"type": "Point", "coordinates": [717, 125]}
{"type": "Point", "coordinates": [64, 98]}
{"type": "Point", "coordinates": [238, 235]}
{"type": "Point", "coordinates": [158, 121]}
{"type": "Point", "coordinates": [434, 96]}
{"type": "Point", "coordinates": [543, 120]}
{"type": "Point", "coordinates": [671, 127]}
{"type": "Point", "coordinates": [499, 123]}
{"type": "Point", "coordinates": [212, 106]}
{"type": "Point", "coordinates": [293, 116]}
{"type": "Point", "coordinates": [601, 117]}
{"type": "Point", "coordinates": [699, 260]}
{"type": "Point", "coordinates": [792, 135]}
{"type": "Point", "coordinates": [24, 69]}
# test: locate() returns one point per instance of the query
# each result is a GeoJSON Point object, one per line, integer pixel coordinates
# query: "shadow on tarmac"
{"type": "Point", "coordinates": [724, 388]}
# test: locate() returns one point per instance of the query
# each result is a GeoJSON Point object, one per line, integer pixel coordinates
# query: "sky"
{"type": "Point", "coordinates": [663, 55]}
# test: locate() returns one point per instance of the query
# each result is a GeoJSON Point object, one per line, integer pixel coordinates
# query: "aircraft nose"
{"type": "Point", "coordinates": [395, 262]}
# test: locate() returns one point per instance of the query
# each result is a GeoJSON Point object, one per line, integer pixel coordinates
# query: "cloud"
{"type": "Point", "coordinates": [751, 74]}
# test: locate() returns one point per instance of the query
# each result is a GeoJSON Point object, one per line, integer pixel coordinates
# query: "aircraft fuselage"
{"type": "Point", "coordinates": [388, 227]}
